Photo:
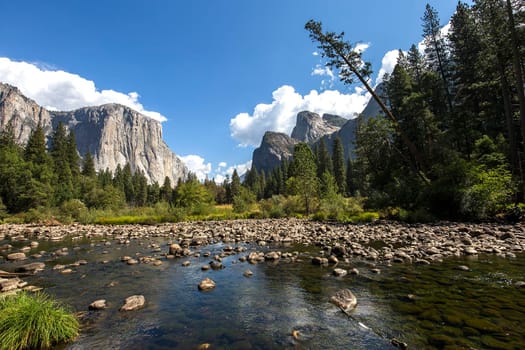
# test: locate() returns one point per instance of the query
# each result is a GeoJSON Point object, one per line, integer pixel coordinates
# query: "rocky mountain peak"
{"type": "Point", "coordinates": [310, 126]}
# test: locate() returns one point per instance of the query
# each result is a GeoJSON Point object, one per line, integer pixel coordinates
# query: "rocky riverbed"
{"type": "Point", "coordinates": [257, 269]}
{"type": "Point", "coordinates": [380, 243]}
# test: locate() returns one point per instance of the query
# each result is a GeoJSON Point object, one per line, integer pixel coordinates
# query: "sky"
{"type": "Point", "coordinates": [216, 73]}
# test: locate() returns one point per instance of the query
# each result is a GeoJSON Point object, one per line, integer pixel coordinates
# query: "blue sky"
{"type": "Point", "coordinates": [219, 72]}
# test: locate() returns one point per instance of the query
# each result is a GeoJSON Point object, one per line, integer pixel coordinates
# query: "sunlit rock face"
{"type": "Point", "coordinates": [112, 133]}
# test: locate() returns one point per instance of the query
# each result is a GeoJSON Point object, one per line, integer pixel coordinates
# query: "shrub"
{"type": "Point", "coordinates": [35, 322]}
{"type": "Point", "coordinates": [243, 201]}
{"type": "Point", "coordinates": [72, 209]}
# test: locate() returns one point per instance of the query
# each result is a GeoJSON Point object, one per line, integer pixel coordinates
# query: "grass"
{"type": "Point", "coordinates": [34, 322]}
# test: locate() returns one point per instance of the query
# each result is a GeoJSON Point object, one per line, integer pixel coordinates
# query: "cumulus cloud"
{"type": "Point", "coordinates": [361, 47]}
{"type": "Point", "coordinates": [222, 165]}
{"type": "Point", "coordinates": [197, 165]}
{"type": "Point", "coordinates": [60, 90]}
{"type": "Point", "coordinates": [280, 114]}
{"type": "Point", "coordinates": [220, 176]}
{"type": "Point", "coordinates": [388, 63]}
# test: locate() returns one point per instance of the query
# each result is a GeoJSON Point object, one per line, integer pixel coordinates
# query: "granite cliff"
{"type": "Point", "coordinates": [312, 128]}
{"type": "Point", "coordinates": [112, 133]}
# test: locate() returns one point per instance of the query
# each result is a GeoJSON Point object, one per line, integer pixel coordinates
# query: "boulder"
{"type": "Point", "coordinates": [16, 256]}
{"type": "Point", "coordinates": [206, 284]}
{"type": "Point", "coordinates": [98, 305]}
{"type": "Point", "coordinates": [339, 272]}
{"type": "Point", "coordinates": [133, 302]}
{"type": "Point", "coordinates": [345, 300]}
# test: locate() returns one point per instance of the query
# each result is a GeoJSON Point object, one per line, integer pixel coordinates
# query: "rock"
{"type": "Point", "coordinates": [16, 256]}
{"type": "Point", "coordinates": [186, 263]}
{"type": "Point", "coordinates": [470, 251]}
{"type": "Point", "coordinates": [463, 268]}
{"type": "Point", "coordinates": [345, 300]}
{"type": "Point", "coordinates": [216, 265]}
{"type": "Point", "coordinates": [205, 267]}
{"type": "Point", "coordinates": [520, 284]}
{"type": "Point", "coordinates": [132, 261]}
{"type": "Point", "coordinates": [399, 344]}
{"type": "Point", "coordinates": [332, 259]}
{"type": "Point", "coordinates": [354, 271]}
{"type": "Point", "coordinates": [376, 271]}
{"type": "Point", "coordinates": [204, 346]}
{"type": "Point", "coordinates": [66, 271]}
{"type": "Point", "coordinates": [339, 272]}
{"type": "Point", "coordinates": [175, 249]}
{"type": "Point", "coordinates": [9, 284]}
{"type": "Point", "coordinates": [339, 251]}
{"type": "Point", "coordinates": [32, 267]}
{"type": "Point", "coordinates": [272, 256]}
{"type": "Point", "coordinates": [133, 302]}
{"type": "Point", "coordinates": [98, 305]}
{"type": "Point", "coordinates": [319, 261]}
{"type": "Point", "coordinates": [247, 273]}
{"type": "Point", "coordinates": [206, 284]}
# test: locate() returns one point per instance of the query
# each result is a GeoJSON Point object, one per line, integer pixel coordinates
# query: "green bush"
{"type": "Point", "coordinates": [243, 201]}
{"type": "Point", "coordinates": [72, 210]}
{"type": "Point", "coordinates": [34, 322]}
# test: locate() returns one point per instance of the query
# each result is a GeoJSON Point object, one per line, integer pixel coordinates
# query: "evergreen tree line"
{"type": "Point", "coordinates": [451, 144]}
{"type": "Point", "coordinates": [33, 176]}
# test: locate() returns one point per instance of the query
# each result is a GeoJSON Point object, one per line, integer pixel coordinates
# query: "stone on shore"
{"type": "Point", "coordinates": [133, 302]}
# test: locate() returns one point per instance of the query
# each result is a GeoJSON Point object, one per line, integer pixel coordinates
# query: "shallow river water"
{"type": "Point", "coordinates": [434, 306]}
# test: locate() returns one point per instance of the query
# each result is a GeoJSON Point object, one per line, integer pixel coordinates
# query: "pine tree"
{"type": "Point", "coordinates": [303, 181]}
{"type": "Point", "coordinates": [351, 186]}
{"type": "Point", "coordinates": [436, 51]}
{"type": "Point", "coordinates": [88, 166]}
{"type": "Point", "coordinates": [324, 161]}
{"type": "Point", "coordinates": [63, 185]}
{"type": "Point", "coordinates": [235, 188]}
{"type": "Point", "coordinates": [416, 64]}
{"type": "Point", "coordinates": [338, 159]}
{"type": "Point", "coordinates": [166, 191]}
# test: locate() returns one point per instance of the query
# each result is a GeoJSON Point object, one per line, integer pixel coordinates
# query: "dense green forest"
{"type": "Point", "coordinates": [450, 143]}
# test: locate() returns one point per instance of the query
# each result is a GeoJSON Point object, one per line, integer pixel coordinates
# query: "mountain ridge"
{"type": "Point", "coordinates": [113, 133]}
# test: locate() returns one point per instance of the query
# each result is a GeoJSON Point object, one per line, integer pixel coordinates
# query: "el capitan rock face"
{"type": "Point", "coordinates": [112, 133]}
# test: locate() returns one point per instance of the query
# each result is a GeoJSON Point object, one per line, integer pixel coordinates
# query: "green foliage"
{"type": "Point", "coordinates": [488, 192]}
{"type": "Point", "coordinates": [338, 208]}
{"type": "Point", "coordinates": [72, 209]}
{"type": "Point", "coordinates": [193, 196]}
{"type": "Point", "coordinates": [243, 200]}
{"type": "Point", "coordinates": [303, 180]}
{"type": "Point", "coordinates": [34, 322]}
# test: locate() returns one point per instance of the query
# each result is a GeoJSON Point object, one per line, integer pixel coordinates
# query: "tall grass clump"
{"type": "Point", "coordinates": [34, 322]}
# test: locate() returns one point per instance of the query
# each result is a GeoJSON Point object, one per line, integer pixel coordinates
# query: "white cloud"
{"type": "Point", "coordinates": [315, 53]}
{"type": "Point", "coordinates": [280, 114]}
{"type": "Point", "coordinates": [222, 165]}
{"type": "Point", "coordinates": [388, 63]}
{"type": "Point", "coordinates": [197, 165]}
{"type": "Point", "coordinates": [60, 90]}
{"type": "Point", "coordinates": [361, 47]}
{"type": "Point", "coordinates": [241, 170]}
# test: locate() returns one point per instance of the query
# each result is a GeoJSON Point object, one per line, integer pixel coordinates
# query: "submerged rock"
{"type": "Point", "coordinates": [133, 302]}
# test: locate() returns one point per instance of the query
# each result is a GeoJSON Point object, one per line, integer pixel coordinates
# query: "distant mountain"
{"type": "Point", "coordinates": [112, 133]}
{"type": "Point", "coordinates": [312, 128]}
{"type": "Point", "coordinates": [274, 148]}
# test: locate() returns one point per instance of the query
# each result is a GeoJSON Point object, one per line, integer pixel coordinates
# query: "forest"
{"type": "Point", "coordinates": [449, 145]}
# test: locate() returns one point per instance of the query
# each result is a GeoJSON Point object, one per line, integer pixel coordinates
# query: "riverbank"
{"type": "Point", "coordinates": [382, 242]}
